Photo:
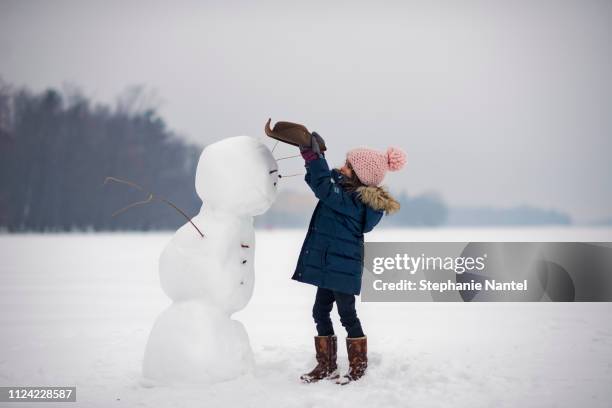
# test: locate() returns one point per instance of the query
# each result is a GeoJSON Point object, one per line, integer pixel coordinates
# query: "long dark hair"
{"type": "Point", "coordinates": [351, 183]}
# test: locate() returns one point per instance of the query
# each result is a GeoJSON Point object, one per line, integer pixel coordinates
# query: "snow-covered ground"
{"type": "Point", "coordinates": [76, 309]}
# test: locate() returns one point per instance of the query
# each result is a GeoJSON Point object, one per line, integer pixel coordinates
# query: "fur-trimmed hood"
{"type": "Point", "coordinates": [378, 198]}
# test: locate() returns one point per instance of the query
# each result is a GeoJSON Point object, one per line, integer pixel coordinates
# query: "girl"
{"type": "Point", "coordinates": [351, 203]}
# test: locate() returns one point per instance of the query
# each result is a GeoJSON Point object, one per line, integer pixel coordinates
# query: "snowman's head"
{"type": "Point", "coordinates": [237, 175]}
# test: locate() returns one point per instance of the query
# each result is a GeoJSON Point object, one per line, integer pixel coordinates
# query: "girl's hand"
{"type": "Point", "coordinates": [309, 155]}
{"type": "Point", "coordinates": [317, 142]}
{"type": "Point", "coordinates": [313, 152]}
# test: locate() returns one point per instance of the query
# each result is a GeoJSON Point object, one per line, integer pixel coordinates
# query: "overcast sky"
{"type": "Point", "coordinates": [496, 103]}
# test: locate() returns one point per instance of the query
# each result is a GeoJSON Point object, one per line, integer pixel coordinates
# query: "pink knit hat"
{"type": "Point", "coordinates": [371, 165]}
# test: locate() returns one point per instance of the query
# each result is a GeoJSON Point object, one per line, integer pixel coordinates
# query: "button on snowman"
{"type": "Point", "coordinates": [209, 278]}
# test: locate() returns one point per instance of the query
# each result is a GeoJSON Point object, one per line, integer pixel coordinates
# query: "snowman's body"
{"type": "Point", "coordinates": [210, 278]}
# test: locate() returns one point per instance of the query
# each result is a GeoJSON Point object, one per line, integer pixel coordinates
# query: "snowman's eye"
{"type": "Point", "coordinates": [272, 172]}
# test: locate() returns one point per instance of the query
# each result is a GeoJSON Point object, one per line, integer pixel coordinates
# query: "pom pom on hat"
{"type": "Point", "coordinates": [396, 158]}
{"type": "Point", "coordinates": [371, 165]}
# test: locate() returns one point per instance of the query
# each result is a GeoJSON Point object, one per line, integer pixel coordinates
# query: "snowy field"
{"type": "Point", "coordinates": [77, 309]}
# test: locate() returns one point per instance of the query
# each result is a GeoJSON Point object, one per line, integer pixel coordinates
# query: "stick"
{"type": "Point", "coordinates": [288, 157]}
{"type": "Point", "coordinates": [150, 198]}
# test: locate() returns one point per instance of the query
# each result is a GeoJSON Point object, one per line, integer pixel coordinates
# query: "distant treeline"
{"type": "Point", "coordinates": [293, 210]}
{"type": "Point", "coordinates": [520, 215]}
{"type": "Point", "coordinates": [56, 150]}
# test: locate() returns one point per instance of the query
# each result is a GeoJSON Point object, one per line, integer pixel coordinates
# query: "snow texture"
{"type": "Point", "coordinates": [77, 309]}
{"type": "Point", "coordinates": [209, 278]}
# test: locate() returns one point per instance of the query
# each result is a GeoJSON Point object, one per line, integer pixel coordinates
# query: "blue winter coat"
{"type": "Point", "coordinates": [332, 253]}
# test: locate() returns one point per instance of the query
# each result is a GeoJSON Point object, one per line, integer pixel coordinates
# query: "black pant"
{"type": "Point", "coordinates": [324, 301]}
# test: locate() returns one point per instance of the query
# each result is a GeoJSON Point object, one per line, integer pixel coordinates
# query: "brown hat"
{"type": "Point", "coordinates": [292, 133]}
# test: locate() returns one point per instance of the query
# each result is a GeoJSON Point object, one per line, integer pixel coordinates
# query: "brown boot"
{"type": "Point", "coordinates": [357, 350]}
{"type": "Point", "coordinates": [326, 348]}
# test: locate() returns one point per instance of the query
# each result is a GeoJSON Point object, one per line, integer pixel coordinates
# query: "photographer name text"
{"type": "Point", "coordinates": [427, 285]}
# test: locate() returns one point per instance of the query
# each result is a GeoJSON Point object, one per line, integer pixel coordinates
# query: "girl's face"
{"type": "Point", "coordinates": [347, 170]}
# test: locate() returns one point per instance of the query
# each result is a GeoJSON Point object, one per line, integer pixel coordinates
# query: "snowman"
{"type": "Point", "coordinates": [211, 277]}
